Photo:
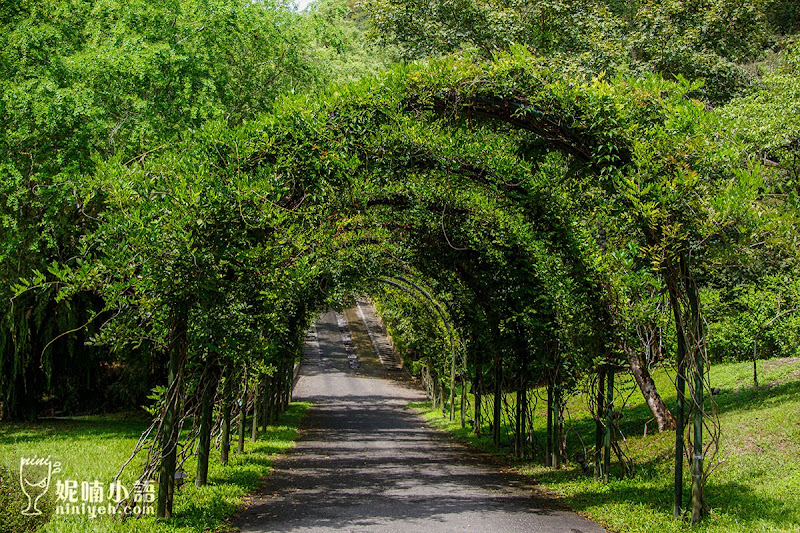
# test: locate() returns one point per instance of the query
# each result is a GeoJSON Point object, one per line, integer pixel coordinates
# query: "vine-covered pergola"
{"type": "Point", "coordinates": [457, 182]}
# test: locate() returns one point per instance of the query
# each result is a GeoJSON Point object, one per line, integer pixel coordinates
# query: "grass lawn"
{"type": "Point", "coordinates": [755, 488]}
{"type": "Point", "coordinates": [94, 448]}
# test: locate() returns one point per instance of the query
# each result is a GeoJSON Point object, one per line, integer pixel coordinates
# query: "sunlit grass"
{"type": "Point", "coordinates": [755, 488]}
{"type": "Point", "coordinates": [94, 448]}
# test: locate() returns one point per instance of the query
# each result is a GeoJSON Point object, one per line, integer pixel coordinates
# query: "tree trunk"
{"type": "Point", "coordinates": [690, 358]}
{"type": "Point", "coordinates": [478, 391]}
{"type": "Point", "coordinates": [598, 423]}
{"type": "Point", "coordinates": [556, 427]}
{"type": "Point", "coordinates": [680, 424]}
{"type": "Point", "coordinates": [698, 485]}
{"type": "Point", "coordinates": [265, 403]}
{"type": "Point", "coordinates": [281, 383]}
{"type": "Point", "coordinates": [498, 399]}
{"type": "Point", "coordinates": [520, 420]}
{"type": "Point", "coordinates": [273, 398]}
{"type": "Point", "coordinates": [225, 446]}
{"type": "Point", "coordinates": [680, 389]}
{"type": "Point", "coordinates": [463, 400]}
{"type": "Point", "coordinates": [698, 492]}
{"type": "Point", "coordinates": [452, 376]}
{"type": "Point", "coordinates": [21, 397]}
{"type": "Point", "coordinates": [256, 411]}
{"type": "Point", "coordinates": [548, 447]}
{"type": "Point", "coordinates": [478, 398]}
{"type": "Point", "coordinates": [755, 362]}
{"type": "Point", "coordinates": [204, 439]}
{"type": "Point", "coordinates": [287, 384]}
{"type": "Point", "coordinates": [430, 386]}
{"type": "Point", "coordinates": [442, 389]}
{"type": "Point", "coordinates": [660, 411]}
{"type": "Point", "coordinates": [243, 414]}
{"type": "Point", "coordinates": [609, 423]}
{"type": "Point", "coordinates": [170, 436]}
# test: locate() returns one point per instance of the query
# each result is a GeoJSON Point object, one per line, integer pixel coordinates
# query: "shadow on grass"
{"type": "Point", "coordinates": [648, 494]}
{"type": "Point", "coordinates": [196, 509]}
{"type": "Point", "coordinates": [636, 418]}
{"type": "Point", "coordinates": [733, 501]}
{"type": "Point", "coordinates": [119, 426]}
{"type": "Point", "coordinates": [207, 508]}
{"type": "Point", "coordinates": [750, 398]}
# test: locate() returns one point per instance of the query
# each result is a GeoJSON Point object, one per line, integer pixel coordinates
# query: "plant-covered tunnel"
{"type": "Point", "coordinates": [526, 218]}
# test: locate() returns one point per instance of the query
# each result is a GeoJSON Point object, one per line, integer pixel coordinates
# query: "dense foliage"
{"type": "Point", "coordinates": [547, 195]}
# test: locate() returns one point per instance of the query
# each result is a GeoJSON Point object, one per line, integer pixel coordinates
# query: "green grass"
{"type": "Point", "coordinates": [93, 448]}
{"type": "Point", "coordinates": [756, 487]}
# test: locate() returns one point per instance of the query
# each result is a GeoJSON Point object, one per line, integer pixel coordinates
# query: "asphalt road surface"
{"type": "Point", "coordinates": [367, 463]}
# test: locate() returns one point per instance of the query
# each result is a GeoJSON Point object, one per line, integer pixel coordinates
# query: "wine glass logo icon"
{"type": "Point", "coordinates": [34, 479]}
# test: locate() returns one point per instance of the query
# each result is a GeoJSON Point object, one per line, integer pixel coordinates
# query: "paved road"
{"type": "Point", "coordinates": [367, 463]}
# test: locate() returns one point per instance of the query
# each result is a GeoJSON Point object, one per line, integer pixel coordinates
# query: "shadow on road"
{"type": "Point", "coordinates": [366, 462]}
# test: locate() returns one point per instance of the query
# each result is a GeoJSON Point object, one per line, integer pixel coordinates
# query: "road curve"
{"type": "Point", "coordinates": [367, 463]}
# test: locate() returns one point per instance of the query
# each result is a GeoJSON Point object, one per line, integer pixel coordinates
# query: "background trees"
{"type": "Point", "coordinates": [704, 39]}
{"type": "Point", "coordinates": [84, 83]}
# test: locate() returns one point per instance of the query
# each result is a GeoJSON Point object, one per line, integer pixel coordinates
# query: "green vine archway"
{"type": "Point", "coordinates": [521, 193]}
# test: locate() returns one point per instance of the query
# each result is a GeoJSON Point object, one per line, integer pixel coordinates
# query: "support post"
{"type": "Point", "coordinates": [478, 396]}
{"type": "Point", "coordinates": [243, 414]}
{"type": "Point", "coordinates": [680, 389]}
{"type": "Point", "coordinates": [271, 415]}
{"type": "Point", "coordinates": [697, 456]}
{"type": "Point", "coordinates": [609, 423]}
{"type": "Point", "coordinates": [264, 402]}
{"type": "Point", "coordinates": [599, 430]}
{"type": "Point", "coordinates": [698, 488]}
{"type": "Point", "coordinates": [169, 440]}
{"type": "Point", "coordinates": [204, 440]}
{"type": "Point", "coordinates": [225, 446]}
{"type": "Point", "coordinates": [556, 427]}
{"type": "Point", "coordinates": [463, 400]}
{"type": "Point", "coordinates": [256, 412]}
{"type": "Point", "coordinates": [680, 424]}
{"type": "Point", "coordinates": [498, 399]}
{"type": "Point", "coordinates": [548, 447]}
